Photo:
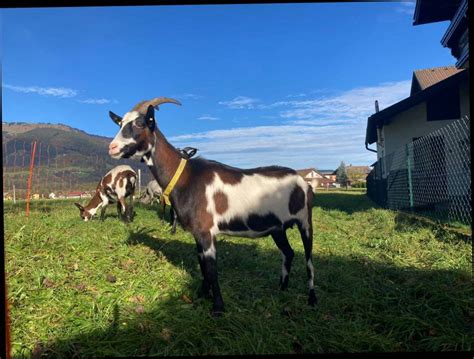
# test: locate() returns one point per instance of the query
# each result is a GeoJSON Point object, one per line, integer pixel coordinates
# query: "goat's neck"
{"type": "Point", "coordinates": [95, 203]}
{"type": "Point", "coordinates": [164, 159]}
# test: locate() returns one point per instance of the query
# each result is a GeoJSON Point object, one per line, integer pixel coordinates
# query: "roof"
{"type": "Point", "coordinates": [428, 11]}
{"type": "Point", "coordinates": [384, 117]}
{"type": "Point", "coordinates": [305, 171]}
{"type": "Point", "coordinates": [76, 193]}
{"type": "Point", "coordinates": [361, 169]}
{"type": "Point", "coordinates": [422, 79]}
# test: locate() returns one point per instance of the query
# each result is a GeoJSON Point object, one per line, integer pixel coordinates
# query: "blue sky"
{"type": "Point", "coordinates": [261, 84]}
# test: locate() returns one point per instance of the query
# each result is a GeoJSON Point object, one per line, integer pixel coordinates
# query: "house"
{"type": "Point", "coordinates": [314, 178]}
{"type": "Point", "coordinates": [330, 174]}
{"type": "Point", "coordinates": [439, 96]}
{"type": "Point", "coordinates": [77, 194]}
{"type": "Point", "coordinates": [456, 36]}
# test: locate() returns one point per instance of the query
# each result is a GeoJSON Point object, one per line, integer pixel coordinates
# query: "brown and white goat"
{"type": "Point", "coordinates": [117, 184]}
{"type": "Point", "coordinates": [212, 198]}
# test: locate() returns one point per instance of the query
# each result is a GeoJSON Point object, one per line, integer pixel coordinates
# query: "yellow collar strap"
{"type": "Point", "coordinates": [173, 181]}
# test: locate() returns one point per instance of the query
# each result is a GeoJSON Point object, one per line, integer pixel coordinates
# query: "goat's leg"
{"type": "Point", "coordinates": [123, 209]}
{"type": "Point", "coordinates": [204, 291]}
{"type": "Point", "coordinates": [307, 237]}
{"type": "Point", "coordinates": [164, 210]}
{"type": "Point", "coordinates": [287, 255]}
{"type": "Point", "coordinates": [130, 214]}
{"type": "Point", "coordinates": [119, 210]}
{"type": "Point", "coordinates": [173, 218]}
{"type": "Point", "coordinates": [207, 242]}
{"type": "Point", "coordinates": [102, 213]}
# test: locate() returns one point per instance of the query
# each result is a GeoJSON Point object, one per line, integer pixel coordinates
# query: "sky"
{"type": "Point", "coordinates": [260, 84]}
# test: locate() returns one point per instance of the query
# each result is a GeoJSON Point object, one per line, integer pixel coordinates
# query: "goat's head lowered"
{"type": "Point", "coordinates": [135, 137]}
{"type": "Point", "coordinates": [85, 214]}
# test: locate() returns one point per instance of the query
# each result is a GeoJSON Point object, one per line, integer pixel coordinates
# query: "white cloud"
{"type": "Point", "coordinates": [355, 104]}
{"type": "Point", "coordinates": [207, 118]}
{"type": "Point", "coordinates": [406, 7]}
{"type": "Point", "coordinates": [240, 102]}
{"type": "Point", "coordinates": [319, 132]}
{"type": "Point", "coordinates": [288, 145]}
{"type": "Point", "coordinates": [187, 96]}
{"type": "Point", "coordinates": [43, 91]}
{"type": "Point", "coordinates": [96, 101]}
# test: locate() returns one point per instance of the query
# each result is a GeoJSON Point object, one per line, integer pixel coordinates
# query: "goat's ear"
{"type": "Point", "coordinates": [116, 118]}
{"type": "Point", "coordinates": [150, 118]}
{"type": "Point", "coordinates": [79, 206]}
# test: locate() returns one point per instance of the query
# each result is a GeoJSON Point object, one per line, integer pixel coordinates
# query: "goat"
{"type": "Point", "coordinates": [117, 184]}
{"type": "Point", "coordinates": [211, 198]}
{"type": "Point", "coordinates": [152, 193]}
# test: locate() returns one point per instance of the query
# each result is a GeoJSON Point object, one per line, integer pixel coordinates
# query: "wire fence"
{"type": "Point", "coordinates": [56, 174]}
{"type": "Point", "coordinates": [430, 176]}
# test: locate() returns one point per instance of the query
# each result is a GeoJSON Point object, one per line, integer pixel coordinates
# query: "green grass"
{"type": "Point", "coordinates": [110, 289]}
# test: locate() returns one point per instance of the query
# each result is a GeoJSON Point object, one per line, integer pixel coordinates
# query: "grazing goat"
{"type": "Point", "coordinates": [115, 186]}
{"type": "Point", "coordinates": [211, 198]}
{"type": "Point", "coordinates": [152, 193]}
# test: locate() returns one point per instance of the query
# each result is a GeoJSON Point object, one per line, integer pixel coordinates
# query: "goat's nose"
{"type": "Point", "coordinates": [113, 148]}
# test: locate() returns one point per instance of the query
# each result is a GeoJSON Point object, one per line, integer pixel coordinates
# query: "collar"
{"type": "Point", "coordinates": [174, 180]}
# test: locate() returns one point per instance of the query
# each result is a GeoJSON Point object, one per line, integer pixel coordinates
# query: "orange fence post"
{"type": "Point", "coordinates": [28, 189]}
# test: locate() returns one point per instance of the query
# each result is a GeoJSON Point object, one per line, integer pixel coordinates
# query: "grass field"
{"type": "Point", "coordinates": [384, 282]}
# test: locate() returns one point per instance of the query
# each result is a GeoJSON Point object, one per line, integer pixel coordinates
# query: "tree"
{"type": "Point", "coordinates": [341, 174]}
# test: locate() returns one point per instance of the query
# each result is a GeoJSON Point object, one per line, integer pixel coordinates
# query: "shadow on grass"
{"type": "Point", "coordinates": [348, 202]}
{"type": "Point", "coordinates": [374, 306]}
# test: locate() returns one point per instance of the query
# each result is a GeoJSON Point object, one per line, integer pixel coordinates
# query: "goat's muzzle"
{"type": "Point", "coordinates": [114, 148]}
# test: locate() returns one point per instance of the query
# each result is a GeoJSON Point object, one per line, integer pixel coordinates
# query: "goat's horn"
{"type": "Point", "coordinates": [143, 106]}
{"type": "Point", "coordinates": [159, 100]}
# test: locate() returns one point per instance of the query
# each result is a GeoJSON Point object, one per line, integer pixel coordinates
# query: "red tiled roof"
{"type": "Point", "coordinates": [425, 78]}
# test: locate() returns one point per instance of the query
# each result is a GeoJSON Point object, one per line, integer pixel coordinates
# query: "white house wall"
{"type": "Point", "coordinates": [408, 124]}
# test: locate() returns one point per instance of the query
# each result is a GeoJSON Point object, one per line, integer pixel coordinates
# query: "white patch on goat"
{"type": "Point", "coordinates": [148, 160]}
{"type": "Point", "coordinates": [93, 211]}
{"type": "Point", "coordinates": [210, 252]}
{"type": "Point", "coordinates": [309, 264]}
{"type": "Point", "coordinates": [255, 194]}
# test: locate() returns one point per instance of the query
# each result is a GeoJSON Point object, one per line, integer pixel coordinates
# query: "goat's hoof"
{"type": "Point", "coordinates": [312, 300]}
{"type": "Point", "coordinates": [284, 284]}
{"type": "Point", "coordinates": [217, 311]}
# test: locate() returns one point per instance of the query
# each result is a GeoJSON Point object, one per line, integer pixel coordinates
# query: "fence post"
{"type": "Point", "coordinates": [28, 189]}
{"type": "Point", "coordinates": [410, 186]}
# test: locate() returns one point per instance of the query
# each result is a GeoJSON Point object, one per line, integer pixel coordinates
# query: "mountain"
{"type": "Point", "coordinates": [66, 158]}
